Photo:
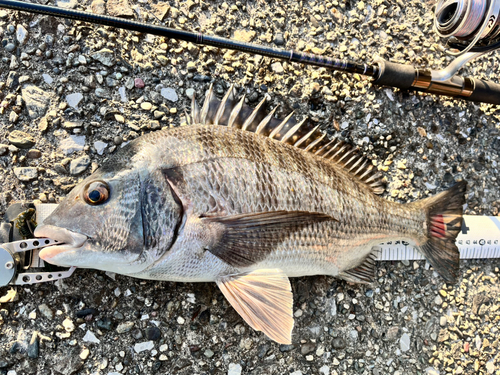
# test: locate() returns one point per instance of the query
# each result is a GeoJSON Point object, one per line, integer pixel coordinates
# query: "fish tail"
{"type": "Point", "coordinates": [444, 222]}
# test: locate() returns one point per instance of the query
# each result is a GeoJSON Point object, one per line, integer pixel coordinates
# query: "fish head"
{"type": "Point", "coordinates": [120, 219]}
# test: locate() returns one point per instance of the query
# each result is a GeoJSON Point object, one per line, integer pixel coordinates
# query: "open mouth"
{"type": "Point", "coordinates": [68, 240]}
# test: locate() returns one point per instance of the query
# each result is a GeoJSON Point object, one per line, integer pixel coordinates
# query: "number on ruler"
{"type": "Point", "coordinates": [465, 228]}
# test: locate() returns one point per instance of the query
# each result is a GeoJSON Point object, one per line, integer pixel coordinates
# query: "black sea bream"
{"type": "Point", "coordinates": [246, 200]}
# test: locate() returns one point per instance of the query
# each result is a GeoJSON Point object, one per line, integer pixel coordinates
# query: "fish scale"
{"type": "Point", "coordinates": [246, 205]}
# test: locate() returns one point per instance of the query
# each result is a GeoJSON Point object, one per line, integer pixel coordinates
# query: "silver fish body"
{"type": "Point", "coordinates": [245, 205]}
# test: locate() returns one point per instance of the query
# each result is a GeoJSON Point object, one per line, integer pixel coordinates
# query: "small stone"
{"type": "Point", "coordinates": [279, 40]}
{"type": "Point", "coordinates": [4, 149]}
{"type": "Point", "coordinates": [244, 35]}
{"type": "Point", "coordinates": [26, 173]}
{"type": "Point", "coordinates": [105, 323]}
{"type": "Point", "coordinates": [46, 311]}
{"type": "Point", "coordinates": [181, 320]}
{"type": "Point", "coordinates": [119, 8]}
{"type": "Point", "coordinates": [208, 353]}
{"type": "Point", "coordinates": [73, 143]}
{"type": "Point", "coordinates": [443, 321]}
{"type": "Point", "coordinates": [438, 301]}
{"type": "Point", "coordinates": [353, 334]}
{"type": "Point", "coordinates": [98, 7]}
{"type": "Point", "coordinates": [48, 79]}
{"type": "Point", "coordinates": [190, 93]}
{"type": "Point", "coordinates": [324, 370]}
{"type": "Point", "coordinates": [99, 147]}
{"type": "Point", "coordinates": [124, 327]}
{"type": "Point", "coordinates": [404, 342]}
{"type": "Point", "coordinates": [153, 333]}
{"type": "Point", "coordinates": [34, 346]}
{"type": "Point", "coordinates": [307, 348]}
{"type": "Point", "coordinates": [72, 124]}
{"type": "Point", "coordinates": [84, 354]}
{"type": "Point", "coordinates": [234, 369]}
{"type": "Point", "coordinates": [102, 93]}
{"type": "Point", "coordinates": [146, 106]}
{"type": "Point", "coordinates": [490, 367]}
{"type": "Point", "coordinates": [139, 83]}
{"type": "Point", "coordinates": [105, 57]}
{"type": "Point", "coordinates": [21, 139]}
{"type": "Point", "coordinates": [68, 325]}
{"type": "Point", "coordinates": [123, 94]}
{"type": "Point", "coordinates": [36, 100]}
{"type": "Point", "coordinates": [79, 165]}
{"type": "Point", "coordinates": [90, 337]}
{"type": "Point", "coordinates": [34, 154]}
{"type": "Point", "coordinates": [74, 99]}
{"type": "Point", "coordinates": [143, 346]}
{"type": "Point", "coordinates": [277, 68]}
{"type": "Point", "coordinates": [9, 47]}
{"type": "Point", "coordinates": [338, 343]}
{"type": "Point", "coordinates": [169, 94]}
{"type": "Point", "coordinates": [21, 34]}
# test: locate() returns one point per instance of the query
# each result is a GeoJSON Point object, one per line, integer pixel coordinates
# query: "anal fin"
{"type": "Point", "coordinates": [365, 272]}
{"type": "Point", "coordinates": [264, 299]}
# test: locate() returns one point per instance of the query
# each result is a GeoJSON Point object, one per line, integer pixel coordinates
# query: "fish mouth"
{"type": "Point", "coordinates": [68, 240]}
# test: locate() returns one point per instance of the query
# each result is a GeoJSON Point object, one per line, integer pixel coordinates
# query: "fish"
{"type": "Point", "coordinates": [245, 200]}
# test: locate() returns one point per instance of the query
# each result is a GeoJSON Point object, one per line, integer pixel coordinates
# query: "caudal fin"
{"type": "Point", "coordinates": [444, 222]}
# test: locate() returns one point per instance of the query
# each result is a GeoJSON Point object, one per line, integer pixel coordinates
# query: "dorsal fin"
{"type": "Point", "coordinates": [235, 113]}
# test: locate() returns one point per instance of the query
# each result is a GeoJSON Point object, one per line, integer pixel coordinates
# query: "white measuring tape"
{"type": "Point", "coordinates": [479, 238]}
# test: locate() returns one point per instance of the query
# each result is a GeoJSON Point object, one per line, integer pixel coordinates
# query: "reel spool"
{"type": "Point", "coordinates": [472, 25]}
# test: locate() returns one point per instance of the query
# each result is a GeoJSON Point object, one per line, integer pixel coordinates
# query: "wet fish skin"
{"type": "Point", "coordinates": [217, 203]}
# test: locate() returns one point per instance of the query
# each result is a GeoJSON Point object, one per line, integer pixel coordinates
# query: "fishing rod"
{"type": "Point", "coordinates": [384, 73]}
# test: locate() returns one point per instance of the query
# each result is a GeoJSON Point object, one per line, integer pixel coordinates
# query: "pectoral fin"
{"type": "Point", "coordinates": [243, 240]}
{"type": "Point", "coordinates": [365, 272]}
{"type": "Point", "coordinates": [264, 300]}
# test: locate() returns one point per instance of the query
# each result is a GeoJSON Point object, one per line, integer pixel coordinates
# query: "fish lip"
{"type": "Point", "coordinates": [68, 240]}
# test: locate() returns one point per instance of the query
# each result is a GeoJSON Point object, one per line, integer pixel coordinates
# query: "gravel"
{"type": "Point", "coordinates": [79, 92]}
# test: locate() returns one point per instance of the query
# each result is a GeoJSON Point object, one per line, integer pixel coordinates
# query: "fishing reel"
{"type": "Point", "coordinates": [470, 25]}
{"type": "Point", "coordinates": [19, 260]}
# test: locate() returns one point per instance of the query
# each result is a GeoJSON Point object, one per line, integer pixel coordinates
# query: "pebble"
{"type": "Point", "coordinates": [68, 325]}
{"type": "Point", "coordinates": [234, 369]}
{"type": "Point", "coordinates": [124, 327]}
{"type": "Point", "coordinates": [143, 346]}
{"type": "Point", "coordinates": [21, 34]}
{"type": "Point", "coordinates": [73, 143]}
{"type": "Point", "coordinates": [34, 346]}
{"type": "Point", "coordinates": [100, 146]}
{"type": "Point", "coordinates": [4, 149]}
{"type": "Point", "coordinates": [146, 106]}
{"type": "Point", "coordinates": [79, 165]}
{"type": "Point", "coordinates": [84, 354]}
{"type": "Point", "coordinates": [139, 83]}
{"type": "Point", "coordinates": [123, 94]}
{"type": "Point", "coordinates": [36, 100]}
{"type": "Point", "coordinates": [74, 99]}
{"type": "Point", "coordinates": [190, 93]}
{"type": "Point", "coordinates": [26, 173]}
{"type": "Point", "coordinates": [46, 311]}
{"type": "Point", "coordinates": [34, 154]}
{"type": "Point", "coordinates": [324, 370]}
{"type": "Point", "coordinates": [279, 39]}
{"type": "Point", "coordinates": [277, 68]}
{"type": "Point", "coordinates": [307, 348]}
{"type": "Point", "coordinates": [90, 337]}
{"type": "Point", "coordinates": [443, 321]}
{"type": "Point", "coordinates": [21, 139]}
{"type": "Point", "coordinates": [105, 323]}
{"type": "Point", "coordinates": [169, 94]}
{"type": "Point", "coordinates": [208, 353]}
{"type": "Point", "coordinates": [153, 333]}
{"type": "Point", "coordinates": [104, 56]}
{"type": "Point", "coordinates": [404, 342]}
{"type": "Point", "coordinates": [338, 343]}
{"type": "Point", "coordinates": [9, 47]}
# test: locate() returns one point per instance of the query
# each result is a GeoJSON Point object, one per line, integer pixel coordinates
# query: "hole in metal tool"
{"type": "Point", "coordinates": [23, 245]}
{"type": "Point", "coordinates": [36, 243]}
{"type": "Point", "coordinates": [26, 279]}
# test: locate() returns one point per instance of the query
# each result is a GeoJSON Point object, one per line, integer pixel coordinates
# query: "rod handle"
{"type": "Point", "coordinates": [485, 92]}
{"type": "Point", "coordinates": [395, 75]}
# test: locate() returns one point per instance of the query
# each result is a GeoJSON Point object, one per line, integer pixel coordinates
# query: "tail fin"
{"type": "Point", "coordinates": [444, 221]}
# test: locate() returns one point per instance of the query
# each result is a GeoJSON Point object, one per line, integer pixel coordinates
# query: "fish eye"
{"type": "Point", "coordinates": [96, 193]}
